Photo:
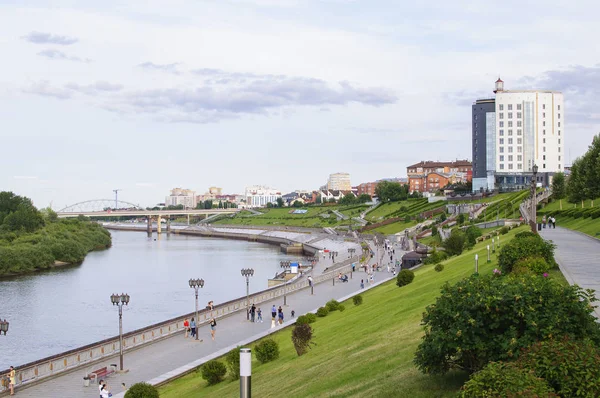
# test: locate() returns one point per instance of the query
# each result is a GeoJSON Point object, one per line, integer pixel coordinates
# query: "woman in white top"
{"type": "Point", "coordinates": [104, 392]}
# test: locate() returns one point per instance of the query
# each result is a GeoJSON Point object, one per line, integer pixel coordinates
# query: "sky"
{"type": "Point", "coordinates": [145, 96]}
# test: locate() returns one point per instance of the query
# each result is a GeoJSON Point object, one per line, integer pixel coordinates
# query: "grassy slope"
{"type": "Point", "coordinates": [586, 225]}
{"type": "Point", "coordinates": [366, 351]}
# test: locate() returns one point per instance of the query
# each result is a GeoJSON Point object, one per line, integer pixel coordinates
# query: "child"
{"type": "Point", "coordinates": [259, 315]}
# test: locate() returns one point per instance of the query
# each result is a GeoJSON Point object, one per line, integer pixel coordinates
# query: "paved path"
{"type": "Point", "coordinates": [161, 357]}
{"type": "Point", "coordinates": [577, 255]}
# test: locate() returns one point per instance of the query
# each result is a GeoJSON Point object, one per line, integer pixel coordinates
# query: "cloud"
{"type": "Point", "coordinates": [170, 68]}
{"type": "Point", "coordinates": [145, 184]}
{"type": "Point", "coordinates": [94, 89]}
{"type": "Point", "coordinates": [25, 177]}
{"type": "Point", "coordinates": [59, 55]}
{"type": "Point", "coordinates": [44, 89]}
{"type": "Point", "coordinates": [48, 38]}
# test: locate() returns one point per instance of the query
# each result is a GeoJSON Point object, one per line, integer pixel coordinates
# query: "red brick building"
{"type": "Point", "coordinates": [367, 188]}
{"type": "Point", "coordinates": [428, 166]}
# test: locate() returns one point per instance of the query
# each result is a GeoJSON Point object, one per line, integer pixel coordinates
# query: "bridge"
{"type": "Point", "coordinates": [118, 208]}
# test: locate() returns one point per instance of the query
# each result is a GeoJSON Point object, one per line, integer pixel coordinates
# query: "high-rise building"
{"type": "Point", "coordinates": [180, 196]}
{"type": "Point", "coordinates": [514, 131]}
{"type": "Point", "coordinates": [259, 196]}
{"type": "Point", "coordinates": [339, 182]}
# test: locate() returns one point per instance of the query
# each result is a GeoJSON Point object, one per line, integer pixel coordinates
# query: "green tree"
{"type": "Point", "coordinates": [318, 200]}
{"type": "Point", "coordinates": [455, 243]}
{"type": "Point", "coordinates": [461, 219]}
{"type": "Point", "coordinates": [269, 205]}
{"type": "Point", "coordinates": [297, 203]}
{"type": "Point", "coordinates": [363, 198]}
{"type": "Point", "coordinates": [472, 234]}
{"type": "Point", "coordinates": [388, 191]}
{"type": "Point", "coordinates": [559, 190]}
{"type": "Point", "coordinates": [26, 218]}
{"type": "Point", "coordinates": [279, 202]}
{"type": "Point", "coordinates": [347, 200]}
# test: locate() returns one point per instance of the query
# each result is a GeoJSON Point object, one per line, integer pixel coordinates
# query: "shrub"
{"type": "Point", "coordinates": [332, 305]}
{"type": "Point", "coordinates": [571, 367]}
{"type": "Point", "coordinates": [233, 363]}
{"type": "Point", "coordinates": [484, 319]}
{"type": "Point", "coordinates": [500, 379]}
{"type": "Point", "coordinates": [267, 350]}
{"type": "Point", "coordinates": [461, 219]}
{"type": "Point", "coordinates": [322, 312]}
{"type": "Point", "coordinates": [141, 390]}
{"type": "Point", "coordinates": [302, 320]}
{"type": "Point", "coordinates": [504, 230]}
{"type": "Point", "coordinates": [357, 300]}
{"type": "Point", "coordinates": [435, 257]}
{"type": "Point", "coordinates": [434, 231]}
{"type": "Point", "coordinates": [405, 277]}
{"type": "Point", "coordinates": [342, 308]}
{"type": "Point", "coordinates": [213, 371]}
{"type": "Point", "coordinates": [312, 318]}
{"type": "Point", "coordinates": [439, 267]}
{"type": "Point", "coordinates": [301, 337]}
{"type": "Point", "coordinates": [535, 264]}
{"type": "Point", "coordinates": [472, 233]}
{"type": "Point", "coordinates": [455, 243]}
{"type": "Point", "coordinates": [523, 246]}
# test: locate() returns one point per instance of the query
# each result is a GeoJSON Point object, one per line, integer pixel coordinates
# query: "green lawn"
{"type": "Point", "coordinates": [393, 228]}
{"type": "Point", "coordinates": [586, 225]}
{"type": "Point", "coordinates": [365, 351]}
{"type": "Point", "coordinates": [555, 205]}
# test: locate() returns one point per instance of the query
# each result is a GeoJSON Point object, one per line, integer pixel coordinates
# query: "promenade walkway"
{"type": "Point", "coordinates": [153, 360]}
{"type": "Point", "coordinates": [577, 255]}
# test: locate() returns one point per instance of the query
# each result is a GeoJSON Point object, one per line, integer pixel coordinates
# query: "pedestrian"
{"type": "Point", "coordinates": [193, 327]}
{"type": "Point", "coordinates": [104, 391]}
{"type": "Point", "coordinates": [259, 312]}
{"type": "Point", "coordinates": [213, 328]}
{"type": "Point", "coordinates": [353, 267]}
{"type": "Point", "coordinates": [100, 386]}
{"type": "Point", "coordinates": [388, 268]}
{"type": "Point", "coordinates": [12, 375]}
{"type": "Point", "coordinates": [310, 283]}
{"type": "Point", "coordinates": [186, 326]}
{"type": "Point", "coordinates": [293, 313]}
{"type": "Point", "coordinates": [280, 315]}
{"type": "Point", "coordinates": [362, 283]}
{"type": "Point", "coordinates": [371, 279]}
{"type": "Point", "coordinates": [273, 312]}
{"type": "Point", "coordinates": [553, 223]}
{"type": "Point", "coordinates": [252, 312]}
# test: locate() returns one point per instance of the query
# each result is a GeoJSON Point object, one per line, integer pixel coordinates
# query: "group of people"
{"type": "Point", "coordinates": [104, 390]}
{"type": "Point", "coordinates": [342, 278]}
{"type": "Point", "coordinates": [191, 328]}
{"type": "Point", "coordinates": [255, 313]}
{"type": "Point", "coordinates": [551, 221]}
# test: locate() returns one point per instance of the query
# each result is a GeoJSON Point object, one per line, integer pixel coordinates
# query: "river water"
{"type": "Point", "coordinates": [61, 309]}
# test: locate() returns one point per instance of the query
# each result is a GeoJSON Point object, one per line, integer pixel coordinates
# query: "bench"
{"type": "Point", "coordinates": [100, 373]}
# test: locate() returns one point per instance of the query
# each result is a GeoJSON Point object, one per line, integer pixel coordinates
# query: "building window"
{"type": "Point", "coordinates": [559, 115]}
{"type": "Point", "coordinates": [520, 149]}
{"type": "Point", "coordinates": [501, 141]}
{"type": "Point", "coordinates": [559, 159]}
{"type": "Point", "coordinates": [543, 106]}
{"type": "Point", "coordinates": [510, 166]}
{"type": "Point", "coordinates": [510, 141]}
{"type": "Point", "coordinates": [558, 132]}
{"type": "Point", "coordinates": [543, 132]}
{"type": "Point", "coordinates": [501, 133]}
{"type": "Point", "coordinates": [558, 124]}
{"type": "Point", "coordinates": [509, 132]}
{"type": "Point", "coordinates": [543, 149]}
{"type": "Point", "coordinates": [519, 158]}
{"type": "Point", "coordinates": [510, 123]}
{"type": "Point", "coordinates": [559, 166]}
{"type": "Point", "coordinates": [501, 124]}
{"type": "Point", "coordinates": [544, 141]}
{"type": "Point", "coordinates": [519, 132]}
{"type": "Point", "coordinates": [543, 114]}
{"type": "Point", "coordinates": [502, 149]}
{"type": "Point", "coordinates": [544, 165]}
{"type": "Point", "coordinates": [544, 157]}
{"type": "Point", "coordinates": [510, 107]}
{"type": "Point", "coordinates": [518, 107]}
{"type": "Point", "coordinates": [519, 141]}
{"type": "Point", "coordinates": [559, 110]}
{"type": "Point", "coordinates": [559, 149]}
{"type": "Point", "coordinates": [510, 158]}
{"type": "Point", "coordinates": [510, 149]}
{"type": "Point", "coordinates": [501, 166]}
{"type": "Point", "coordinates": [519, 115]}
{"type": "Point", "coordinates": [502, 158]}
{"type": "Point", "coordinates": [501, 107]}
{"type": "Point", "coordinates": [510, 115]}
{"type": "Point", "coordinates": [519, 123]}
{"type": "Point", "coordinates": [519, 165]}
{"type": "Point", "coordinates": [544, 123]}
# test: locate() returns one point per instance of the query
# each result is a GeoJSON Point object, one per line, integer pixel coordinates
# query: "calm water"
{"type": "Point", "coordinates": [62, 309]}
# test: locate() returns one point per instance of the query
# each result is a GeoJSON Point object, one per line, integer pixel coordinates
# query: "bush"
{"type": "Point", "coordinates": [439, 267]}
{"type": "Point", "coordinates": [523, 246]}
{"type": "Point", "coordinates": [322, 312]}
{"type": "Point", "coordinates": [213, 371]}
{"type": "Point", "coordinates": [500, 379]}
{"type": "Point", "coordinates": [405, 277]}
{"type": "Point", "coordinates": [232, 359]}
{"type": "Point", "coordinates": [535, 264]}
{"type": "Point", "coordinates": [302, 320]}
{"type": "Point", "coordinates": [267, 350]}
{"type": "Point", "coordinates": [342, 308]}
{"type": "Point", "coordinates": [484, 319]}
{"type": "Point", "coordinates": [504, 230]}
{"type": "Point", "coordinates": [571, 367]}
{"type": "Point", "coordinates": [312, 318]}
{"type": "Point", "coordinates": [141, 390]}
{"type": "Point", "coordinates": [357, 300]}
{"type": "Point", "coordinates": [455, 243]}
{"type": "Point", "coordinates": [435, 257]}
{"type": "Point", "coordinates": [332, 305]}
{"type": "Point", "coordinates": [301, 338]}
{"type": "Point", "coordinates": [472, 233]}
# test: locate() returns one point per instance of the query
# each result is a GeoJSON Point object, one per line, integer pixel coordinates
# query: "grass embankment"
{"type": "Point", "coordinates": [313, 218]}
{"type": "Point", "coordinates": [365, 351]}
{"type": "Point", "coordinates": [585, 219]}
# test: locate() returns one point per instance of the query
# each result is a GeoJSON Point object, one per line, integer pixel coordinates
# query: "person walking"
{"type": "Point", "coordinates": [186, 326]}
{"type": "Point", "coordinates": [280, 315]}
{"type": "Point", "coordinates": [362, 283]}
{"type": "Point", "coordinates": [193, 327]}
{"type": "Point", "coordinates": [104, 391]}
{"type": "Point", "coordinates": [259, 312]}
{"type": "Point", "coordinates": [213, 328]}
{"type": "Point", "coordinates": [273, 312]}
{"type": "Point", "coordinates": [252, 312]}
{"type": "Point", "coordinates": [12, 375]}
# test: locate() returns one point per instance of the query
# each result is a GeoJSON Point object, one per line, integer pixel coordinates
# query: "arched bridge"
{"type": "Point", "coordinates": [99, 205]}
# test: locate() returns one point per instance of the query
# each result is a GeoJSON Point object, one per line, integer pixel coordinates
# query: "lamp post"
{"type": "Point", "coordinates": [477, 263]}
{"type": "Point", "coordinates": [533, 221]}
{"type": "Point", "coordinates": [285, 265]}
{"type": "Point", "coordinates": [3, 326]}
{"type": "Point", "coordinates": [119, 300]}
{"type": "Point", "coordinates": [488, 252]}
{"type": "Point", "coordinates": [247, 272]}
{"type": "Point", "coordinates": [196, 284]}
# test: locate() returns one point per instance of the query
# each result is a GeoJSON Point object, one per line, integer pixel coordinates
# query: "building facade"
{"type": "Point", "coordinates": [259, 196]}
{"type": "Point", "coordinates": [428, 166]}
{"type": "Point", "coordinates": [180, 196]}
{"type": "Point", "coordinates": [339, 181]}
{"type": "Point", "coordinates": [367, 188]}
{"type": "Point", "coordinates": [526, 128]}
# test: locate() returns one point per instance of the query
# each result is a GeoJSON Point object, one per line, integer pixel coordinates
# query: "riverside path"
{"type": "Point", "coordinates": [577, 255]}
{"type": "Point", "coordinates": [153, 360]}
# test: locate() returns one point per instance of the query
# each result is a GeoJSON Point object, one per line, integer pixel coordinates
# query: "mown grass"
{"type": "Point", "coordinates": [555, 205]}
{"type": "Point", "coordinates": [365, 351]}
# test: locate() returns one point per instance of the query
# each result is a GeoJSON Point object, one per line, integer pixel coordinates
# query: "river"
{"type": "Point", "coordinates": [65, 308]}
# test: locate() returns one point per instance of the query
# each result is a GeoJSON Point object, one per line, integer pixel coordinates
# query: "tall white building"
{"type": "Point", "coordinates": [180, 196]}
{"type": "Point", "coordinates": [514, 131]}
{"type": "Point", "coordinates": [339, 181]}
{"type": "Point", "coordinates": [259, 196]}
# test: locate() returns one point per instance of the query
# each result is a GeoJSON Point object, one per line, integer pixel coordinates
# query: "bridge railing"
{"type": "Point", "coordinates": [86, 356]}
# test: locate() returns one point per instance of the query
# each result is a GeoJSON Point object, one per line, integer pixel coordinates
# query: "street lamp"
{"type": "Point", "coordinates": [533, 221]}
{"type": "Point", "coordinates": [4, 326]}
{"type": "Point", "coordinates": [351, 251]}
{"type": "Point", "coordinates": [196, 284]}
{"type": "Point", "coordinates": [119, 300]}
{"type": "Point", "coordinates": [285, 265]}
{"type": "Point", "coordinates": [247, 272]}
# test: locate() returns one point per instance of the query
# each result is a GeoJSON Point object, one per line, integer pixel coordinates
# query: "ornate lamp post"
{"type": "Point", "coordinates": [196, 284]}
{"type": "Point", "coordinates": [119, 300]}
{"type": "Point", "coordinates": [533, 221]}
{"type": "Point", "coordinates": [247, 272]}
{"type": "Point", "coordinates": [3, 326]}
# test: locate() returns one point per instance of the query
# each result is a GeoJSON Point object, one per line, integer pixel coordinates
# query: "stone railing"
{"type": "Point", "coordinates": [85, 357]}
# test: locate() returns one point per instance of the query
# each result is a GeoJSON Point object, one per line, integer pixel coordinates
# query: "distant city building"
{"type": "Point", "coordinates": [180, 196]}
{"type": "Point", "coordinates": [419, 180]}
{"type": "Point", "coordinates": [514, 131]}
{"type": "Point", "coordinates": [435, 181]}
{"type": "Point", "coordinates": [367, 188]}
{"type": "Point", "coordinates": [215, 191]}
{"type": "Point", "coordinates": [259, 196]}
{"type": "Point", "coordinates": [339, 181]}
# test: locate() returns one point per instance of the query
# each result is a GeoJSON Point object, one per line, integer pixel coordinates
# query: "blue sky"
{"type": "Point", "coordinates": [149, 95]}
